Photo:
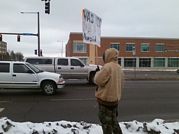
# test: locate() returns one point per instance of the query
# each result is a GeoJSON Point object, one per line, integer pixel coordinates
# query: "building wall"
{"type": "Point", "coordinates": [3, 47]}
{"type": "Point", "coordinates": [69, 47]}
{"type": "Point", "coordinates": [170, 52]}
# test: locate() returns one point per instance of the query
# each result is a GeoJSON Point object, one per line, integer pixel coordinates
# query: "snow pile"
{"type": "Point", "coordinates": [158, 126]}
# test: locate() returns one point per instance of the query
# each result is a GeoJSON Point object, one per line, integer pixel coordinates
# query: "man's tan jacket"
{"type": "Point", "coordinates": [110, 78]}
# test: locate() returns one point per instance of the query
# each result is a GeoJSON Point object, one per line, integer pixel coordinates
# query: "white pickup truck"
{"type": "Point", "coordinates": [68, 67]}
{"type": "Point", "coordinates": [24, 75]}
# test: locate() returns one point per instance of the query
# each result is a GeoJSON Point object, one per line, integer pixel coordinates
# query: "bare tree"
{"type": "Point", "coordinates": [11, 55]}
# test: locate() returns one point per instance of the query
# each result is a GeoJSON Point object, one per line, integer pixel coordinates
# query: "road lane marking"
{"type": "Point", "coordinates": [4, 101]}
{"type": "Point", "coordinates": [87, 99]}
{"type": "Point", "coordinates": [1, 109]}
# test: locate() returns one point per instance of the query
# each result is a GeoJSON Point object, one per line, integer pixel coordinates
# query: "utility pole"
{"type": "Point", "coordinates": [134, 60]}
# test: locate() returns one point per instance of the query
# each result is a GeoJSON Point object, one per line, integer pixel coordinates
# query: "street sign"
{"type": "Point", "coordinates": [91, 25]}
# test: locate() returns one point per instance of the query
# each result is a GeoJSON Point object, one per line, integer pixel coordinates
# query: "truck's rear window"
{"type": "Point", "coordinates": [39, 61]}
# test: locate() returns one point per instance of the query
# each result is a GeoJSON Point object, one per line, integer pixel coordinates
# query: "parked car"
{"type": "Point", "coordinates": [23, 75]}
{"type": "Point", "coordinates": [68, 67]}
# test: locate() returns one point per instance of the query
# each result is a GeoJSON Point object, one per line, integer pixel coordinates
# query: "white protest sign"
{"type": "Point", "coordinates": [91, 24]}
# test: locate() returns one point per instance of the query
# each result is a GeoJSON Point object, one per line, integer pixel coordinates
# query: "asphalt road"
{"type": "Point", "coordinates": [142, 101]}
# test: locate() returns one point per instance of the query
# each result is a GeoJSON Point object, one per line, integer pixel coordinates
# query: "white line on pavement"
{"type": "Point", "coordinates": [4, 101]}
{"type": "Point", "coordinates": [1, 109]}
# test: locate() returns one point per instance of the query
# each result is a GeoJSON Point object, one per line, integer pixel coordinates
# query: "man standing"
{"type": "Point", "coordinates": [110, 82]}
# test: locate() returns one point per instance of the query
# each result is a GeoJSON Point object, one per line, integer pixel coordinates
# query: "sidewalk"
{"type": "Point", "coordinates": [151, 74]}
{"type": "Point", "coordinates": [157, 126]}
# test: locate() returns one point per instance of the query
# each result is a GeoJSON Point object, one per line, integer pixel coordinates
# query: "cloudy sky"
{"type": "Point", "coordinates": [126, 18]}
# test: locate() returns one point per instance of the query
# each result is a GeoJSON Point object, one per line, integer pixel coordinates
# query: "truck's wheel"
{"type": "Point", "coordinates": [91, 78]}
{"type": "Point", "coordinates": [49, 87]}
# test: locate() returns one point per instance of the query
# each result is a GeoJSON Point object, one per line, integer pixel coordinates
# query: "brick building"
{"type": "Point", "coordinates": [3, 47]}
{"type": "Point", "coordinates": [136, 52]}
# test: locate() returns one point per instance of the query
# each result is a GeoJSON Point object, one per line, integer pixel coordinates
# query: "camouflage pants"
{"type": "Point", "coordinates": [108, 118]}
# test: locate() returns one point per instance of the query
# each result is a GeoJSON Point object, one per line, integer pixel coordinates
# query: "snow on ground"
{"type": "Point", "coordinates": [157, 126]}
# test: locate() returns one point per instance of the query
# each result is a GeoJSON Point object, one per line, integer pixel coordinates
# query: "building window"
{"type": "Point", "coordinates": [173, 62]}
{"type": "Point", "coordinates": [144, 62]}
{"type": "Point", "coordinates": [159, 62]}
{"type": "Point", "coordinates": [116, 46]}
{"type": "Point", "coordinates": [160, 47]}
{"type": "Point", "coordinates": [144, 47]}
{"type": "Point", "coordinates": [130, 62]}
{"type": "Point", "coordinates": [79, 47]}
{"type": "Point", "coordinates": [130, 47]}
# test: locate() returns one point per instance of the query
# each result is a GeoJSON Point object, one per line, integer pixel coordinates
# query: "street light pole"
{"type": "Point", "coordinates": [38, 33]}
{"type": "Point", "coordinates": [38, 29]}
{"type": "Point", "coordinates": [134, 60]}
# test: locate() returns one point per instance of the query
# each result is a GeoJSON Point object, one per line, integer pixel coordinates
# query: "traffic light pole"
{"type": "Point", "coordinates": [38, 30]}
{"type": "Point", "coordinates": [28, 34]}
{"type": "Point", "coordinates": [18, 34]}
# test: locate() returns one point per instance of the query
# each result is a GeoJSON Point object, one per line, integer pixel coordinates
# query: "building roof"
{"type": "Point", "coordinates": [118, 37]}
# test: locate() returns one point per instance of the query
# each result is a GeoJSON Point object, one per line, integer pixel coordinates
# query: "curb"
{"type": "Point", "coordinates": [148, 79]}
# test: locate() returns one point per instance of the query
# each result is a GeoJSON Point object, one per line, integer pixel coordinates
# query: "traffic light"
{"type": "Point", "coordinates": [0, 37]}
{"type": "Point", "coordinates": [18, 38]}
{"type": "Point", "coordinates": [47, 7]}
{"type": "Point", "coordinates": [35, 51]}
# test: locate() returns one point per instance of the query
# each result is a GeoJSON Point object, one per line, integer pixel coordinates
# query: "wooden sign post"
{"type": "Point", "coordinates": [92, 54]}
